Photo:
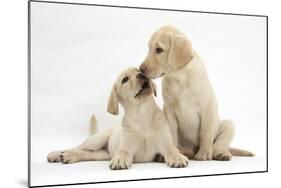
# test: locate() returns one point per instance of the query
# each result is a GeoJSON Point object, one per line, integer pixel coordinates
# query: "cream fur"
{"type": "Point", "coordinates": [190, 105]}
{"type": "Point", "coordinates": [144, 132]}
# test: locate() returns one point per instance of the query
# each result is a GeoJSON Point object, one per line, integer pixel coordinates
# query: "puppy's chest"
{"type": "Point", "coordinates": [175, 92]}
{"type": "Point", "coordinates": [182, 98]}
{"type": "Point", "coordinates": [146, 148]}
{"type": "Point", "coordinates": [145, 135]}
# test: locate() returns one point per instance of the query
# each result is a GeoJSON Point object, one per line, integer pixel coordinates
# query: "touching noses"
{"type": "Point", "coordinates": [143, 68]}
{"type": "Point", "coordinates": [141, 76]}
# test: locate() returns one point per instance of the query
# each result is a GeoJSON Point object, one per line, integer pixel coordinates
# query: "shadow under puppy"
{"type": "Point", "coordinates": [143, 134]}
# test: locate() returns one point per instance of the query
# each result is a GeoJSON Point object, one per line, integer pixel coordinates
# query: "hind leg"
{"type": "Point", "coordinates": [222, 141]}
{"type": "Point", "coordinates": [54, 156]}
{"type": "Point", "coordinates": [77, 155]}
{"type": "Point", "coordinates": [95, 142]}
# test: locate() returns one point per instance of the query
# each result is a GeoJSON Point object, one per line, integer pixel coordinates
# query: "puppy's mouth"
{"type": "Point", "coordinates": [145, 89]}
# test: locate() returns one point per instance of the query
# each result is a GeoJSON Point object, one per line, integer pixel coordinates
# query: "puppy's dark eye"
{"type": "Point", "coordinates": [159, 50]}
{"type": "Point", "coordinates": [125, 79]}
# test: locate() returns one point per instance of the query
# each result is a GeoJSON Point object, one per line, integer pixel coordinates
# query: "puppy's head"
{"type": "Point", "coordinates": [169, 50]}
{"type": "Point", "coordinates": [130, 88]}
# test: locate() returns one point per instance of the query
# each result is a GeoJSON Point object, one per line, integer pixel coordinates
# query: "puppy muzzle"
{"type": "Point", "coordinates": [145, 85]}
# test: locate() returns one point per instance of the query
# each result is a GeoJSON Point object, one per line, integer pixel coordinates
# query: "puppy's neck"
{"type": "Point", "coordinates": [146, 108]}
{"type": "Point", "coordinates": [189, 73]}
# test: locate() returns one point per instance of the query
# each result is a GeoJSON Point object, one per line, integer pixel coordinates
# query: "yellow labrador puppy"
{"type": "Point", "coordinates": [190, 105]}
{"type": "Point", "coordinates": [144, 132]}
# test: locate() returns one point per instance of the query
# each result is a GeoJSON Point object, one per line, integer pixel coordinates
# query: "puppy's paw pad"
{"type": "Point", "coordinates": [222, 155]}
{"type": "Point", "coordinates": [120, 163]}
{"type": "Point", "coordinates": [54, 157]}
{"type": "Point", "coordinates": [204, 155]}
{"type": "Point", "coordinates": [177, 161]}
{"type": "Point", "coordinates": [68, 157]}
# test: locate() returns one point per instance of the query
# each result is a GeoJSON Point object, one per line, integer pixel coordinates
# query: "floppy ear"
{"type": "Point", "coordinates": [154, 88]}
{"type": "Point", "coordinates": [112, 106]}
{"type": "Point", "coordinates": [180, 53]}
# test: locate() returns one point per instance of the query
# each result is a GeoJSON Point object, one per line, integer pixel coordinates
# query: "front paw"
{"type": "Point", "coordinates": [54, 157]}
{"type": "Point", "coordinates": [176, 160]}
{"type": "Point", "coordinates": [120, 163]}
{"type": "Point", "coordinates": [204, 155]}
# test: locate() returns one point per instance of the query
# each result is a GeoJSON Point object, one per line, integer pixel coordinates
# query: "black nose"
{"type": "Point", "coordinates": [141, 76]}
{"type": "Point", "coordinates": [143, 68]}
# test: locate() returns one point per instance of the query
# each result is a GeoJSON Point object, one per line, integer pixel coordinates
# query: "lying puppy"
{"type": "Point", "coordinates": [190, 105]}
{"type": "Point", "coordinates": [144, 132]}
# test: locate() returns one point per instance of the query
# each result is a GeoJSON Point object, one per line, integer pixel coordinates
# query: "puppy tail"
{"type": "Point", "coordinates": [93, 125]}
{"type": "Point", "coordinates": [240, 152]}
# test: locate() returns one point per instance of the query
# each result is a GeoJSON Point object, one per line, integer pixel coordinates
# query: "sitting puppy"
{"type": "Point", "coordinates": [190, 105]}
{"type": "Point", "coordinates": [144, 132]}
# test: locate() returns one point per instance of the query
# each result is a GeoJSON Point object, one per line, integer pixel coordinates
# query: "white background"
{"type": "Point", "coordinates": [13, 95]}
{"type": "Point", "coordinates": [78, 51]}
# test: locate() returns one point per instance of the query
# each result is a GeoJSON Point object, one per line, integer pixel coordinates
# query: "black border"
{"type": "Point", "coordinates": [29, 93]}
{"type": "Point", "coordinates": [144, 8]}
